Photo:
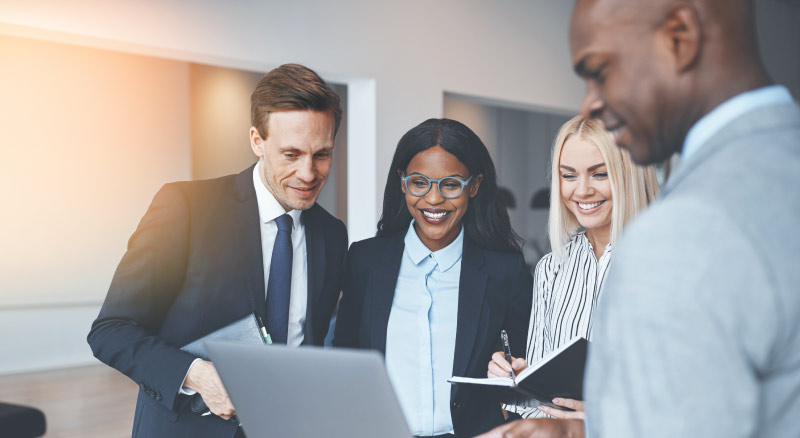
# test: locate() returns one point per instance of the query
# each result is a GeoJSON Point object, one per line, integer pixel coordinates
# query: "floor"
{"type": "Point", "coordinates": [89, 401]}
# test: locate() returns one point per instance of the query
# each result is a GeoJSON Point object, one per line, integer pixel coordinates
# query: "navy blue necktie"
{"type": "Point", "coordinates": [279, 286]}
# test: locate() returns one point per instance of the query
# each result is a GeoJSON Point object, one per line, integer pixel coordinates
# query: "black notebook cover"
{"type": "Point", "coordinates": [559, 374]}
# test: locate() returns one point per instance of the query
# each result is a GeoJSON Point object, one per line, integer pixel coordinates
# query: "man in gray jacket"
{"type": "Point", "coordinates": [698, 329]}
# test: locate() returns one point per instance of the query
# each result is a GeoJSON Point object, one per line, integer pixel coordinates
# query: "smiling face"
{"type": "Point", "coordinates": [438, 219]}
{"type": "Point", "coordinates": [585, 187]}
{"type": "Point", "coordinates": [296, 156]}
{"type": "Point", "coordinates": [631, 79]}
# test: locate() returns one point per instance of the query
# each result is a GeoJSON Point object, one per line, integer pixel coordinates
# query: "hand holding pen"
{"type": "Point", "coordinates": [503, 364]}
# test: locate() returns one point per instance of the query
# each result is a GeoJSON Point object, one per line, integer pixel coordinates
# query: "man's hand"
{"type": "Point", "coordinates": [499, 366]}
{"type": "Point", "coordinates": [203, 378]}
{"type": "Point", "coordinates": [538, 428]}
{"type": "Point", "coordinates": [577, 405]}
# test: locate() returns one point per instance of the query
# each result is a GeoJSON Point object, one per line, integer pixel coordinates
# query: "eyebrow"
{"type": "Point", "coordinates": [591, 168]}
{"type": "Point", "coordinates": [448, 176]}
{"type": "Point", "coordinates": [299, 151]}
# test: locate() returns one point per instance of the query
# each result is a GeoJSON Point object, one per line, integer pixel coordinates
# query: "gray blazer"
{"type": "Point", "coordinates": [698, 329]}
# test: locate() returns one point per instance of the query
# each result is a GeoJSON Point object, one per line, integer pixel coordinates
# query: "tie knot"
{"type": "Point", "coordinates": [284, 222]}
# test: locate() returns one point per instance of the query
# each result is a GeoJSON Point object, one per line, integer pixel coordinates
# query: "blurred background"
{"type": "Point", "coordinates": [102, 102]}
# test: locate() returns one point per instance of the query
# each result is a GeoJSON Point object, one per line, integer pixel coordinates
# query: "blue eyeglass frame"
{"type": "Point", "coordinates": [405, 178]}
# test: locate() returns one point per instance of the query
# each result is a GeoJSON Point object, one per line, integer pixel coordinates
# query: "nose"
{"type": "Point", "coordinates": [584, 188]}
{"type": "Point", "coordinates": [433, 196]}
{"type": "Point", "coordinates": [305, 170]}
{"type": "Point", "coordinates": [592, 104]}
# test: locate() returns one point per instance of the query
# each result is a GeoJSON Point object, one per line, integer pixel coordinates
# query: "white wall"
{"type": "Point", "coordinates": [414, 50]}
{"type": "Point", "coordinates": [73, 187]}
{"type": "Point", "coordinates": [397, 58]}
{"type": "Point", "coordinates": [220, 120]}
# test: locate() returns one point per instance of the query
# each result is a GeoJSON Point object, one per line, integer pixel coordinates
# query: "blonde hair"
{"type": "Point", "coordinates": [632, 186]}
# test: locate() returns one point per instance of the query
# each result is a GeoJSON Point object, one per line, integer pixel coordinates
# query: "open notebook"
{"type": "Point", "coordinates": [559, 374]}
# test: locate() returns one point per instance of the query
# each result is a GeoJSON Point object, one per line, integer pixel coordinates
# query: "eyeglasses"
{"type": "Point", "coordinates": [450, 187]}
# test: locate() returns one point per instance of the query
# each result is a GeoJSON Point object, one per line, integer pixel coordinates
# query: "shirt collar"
{"type": "Point", "coordinates": [268, 207]}
{"type": "Point", "coordinates": [584, 240]}
{"type": "Point", "coordinates": [445, 258]}
{"type": "Point", "coordinates": [727, 111]}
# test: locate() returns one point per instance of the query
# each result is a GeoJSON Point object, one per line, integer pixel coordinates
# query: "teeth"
{"type": "Point", "coordinates": [589, 206]}
{"type": "Point", "coordinates": [434, 215]}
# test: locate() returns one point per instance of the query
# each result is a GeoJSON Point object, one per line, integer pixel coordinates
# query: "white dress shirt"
{"type": "Point", "coordinates": [268, 210]}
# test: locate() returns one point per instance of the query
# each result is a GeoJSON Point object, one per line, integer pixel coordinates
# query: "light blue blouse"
{"type": "Point", "coordinates": [421, 333]}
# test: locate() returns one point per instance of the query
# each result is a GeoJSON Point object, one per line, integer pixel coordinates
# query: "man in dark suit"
{"type": "Point", "coordinates": [208, 253]}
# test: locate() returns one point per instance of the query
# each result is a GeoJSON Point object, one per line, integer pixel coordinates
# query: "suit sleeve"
{"type": "Point", "coordinates": [146, 283]}
{"type": "Point", "coordinates": [348, 320]}
{"type": "Point", "coordinates": [678, 346]}
{"type": "Point", "coordinates": [519, 311]}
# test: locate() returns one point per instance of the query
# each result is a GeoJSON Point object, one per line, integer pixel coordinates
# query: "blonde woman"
{"type": "Point", "coordinates": [595, 190]}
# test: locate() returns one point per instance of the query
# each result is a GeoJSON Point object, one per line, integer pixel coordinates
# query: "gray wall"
{"type": "Point", "coordinates": [519, 142]}
{"type": "Point", "coordinates": [778, 23]}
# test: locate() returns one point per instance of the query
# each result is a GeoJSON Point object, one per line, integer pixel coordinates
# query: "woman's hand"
{"type": "Point", "coordinates": [576, 405]}
{"type": "Point", "coordinates": [499, 366]}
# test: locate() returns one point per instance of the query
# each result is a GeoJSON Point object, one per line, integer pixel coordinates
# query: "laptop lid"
{"type": "Point", "coordinates": [304, 392]}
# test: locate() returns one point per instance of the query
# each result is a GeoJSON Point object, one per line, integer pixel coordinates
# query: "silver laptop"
{"type": "Point", "coordinates": [309, 392]}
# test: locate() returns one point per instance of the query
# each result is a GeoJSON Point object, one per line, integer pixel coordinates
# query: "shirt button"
{"type": "Point", "coordinates": [456, 405]}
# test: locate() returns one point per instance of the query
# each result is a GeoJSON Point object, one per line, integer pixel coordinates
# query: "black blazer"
{"type": "Point", "coordinates": [194, 265]}
{"type": "Point", "coordinates": [495, 291]}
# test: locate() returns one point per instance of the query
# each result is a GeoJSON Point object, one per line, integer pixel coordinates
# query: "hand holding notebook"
{"type": "Point", "coordinates": [248, 330]}
{"type": "Point", "coordinates": [557, 375]}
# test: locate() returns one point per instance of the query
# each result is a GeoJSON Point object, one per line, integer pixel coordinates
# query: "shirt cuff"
{"type": "Point", "coordinates": [184, 390]}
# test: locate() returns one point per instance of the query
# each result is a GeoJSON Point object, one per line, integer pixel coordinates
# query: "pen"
{"type": "Point", "coordinates": [267, 338]}
{"type": "Point", "coordinates": [507, 351]}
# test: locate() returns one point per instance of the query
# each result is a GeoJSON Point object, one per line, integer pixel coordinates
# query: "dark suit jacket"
{"type": "Point", "coordinates": [194, 265]}
{"type": "Point", "coordinates": [495, 292]}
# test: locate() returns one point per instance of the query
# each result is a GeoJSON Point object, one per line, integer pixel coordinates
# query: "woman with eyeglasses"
{"type": "Point", "coordinates": [444, 275]}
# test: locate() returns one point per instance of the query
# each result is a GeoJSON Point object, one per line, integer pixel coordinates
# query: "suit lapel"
{"type": "Point", "coordinates": [248, 227]}
{"type": "Point", "coordinates": [382, 284]}
{"type": "Point", "coordinates": [315, 268]}
{"type": "Point", "coordinates": [471, 292]}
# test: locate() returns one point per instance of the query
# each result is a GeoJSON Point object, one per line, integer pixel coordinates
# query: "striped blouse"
{"type": "Point", "coordinates": [564, 298]}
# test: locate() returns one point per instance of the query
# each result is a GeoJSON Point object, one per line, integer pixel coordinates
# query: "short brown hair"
{"type": "Point", "coordinates": [292, 87]}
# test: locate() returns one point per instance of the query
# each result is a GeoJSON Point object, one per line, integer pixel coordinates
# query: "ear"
{"type": "Point", "coordinates": [683, 35]}
{"type": "Point", "coordinates": [474, 185]}
{"type": "Point", "coordinates": [256, 142]}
